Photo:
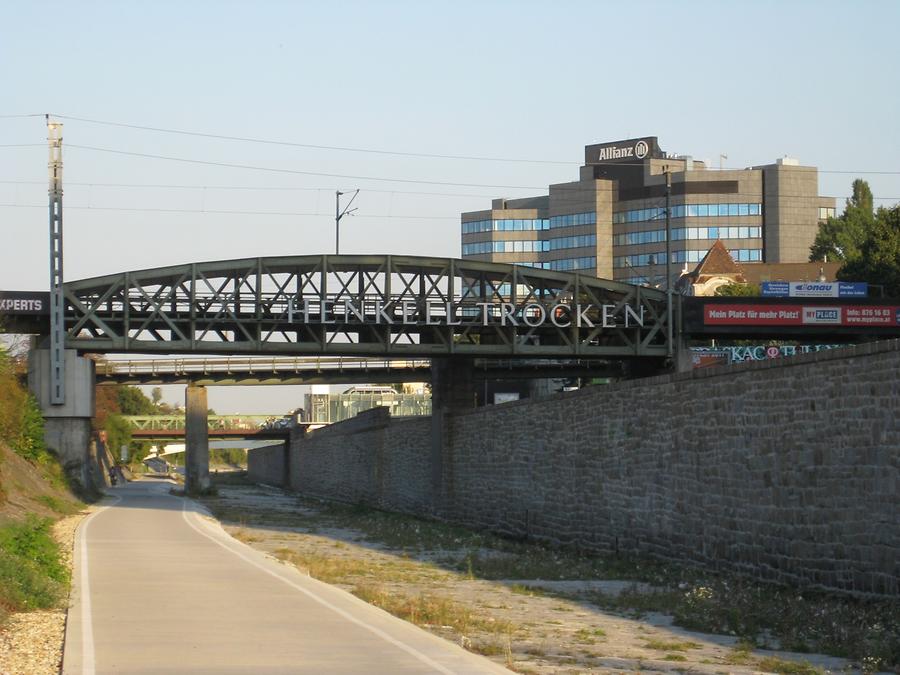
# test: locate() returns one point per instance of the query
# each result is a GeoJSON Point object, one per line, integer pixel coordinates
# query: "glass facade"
{"type": "Point", "coordinates": [505, 225]}
{"type": "Point", "coordinates": [682, 233]}
{"type": "Point", "coordinates": [572, 242]}
{"type": "Point", "coordinates": [688, 211]}
{"type": "Point", "coordinates": [571, 264]}
{"type": "Point", "coordinates": [506, 246]}
{"type": "Point", "coordinates": [573, 219]}
{"type": "Point", "coordinates": [331, 408]}
{"type": "Point", "coordinates": [691, 256]}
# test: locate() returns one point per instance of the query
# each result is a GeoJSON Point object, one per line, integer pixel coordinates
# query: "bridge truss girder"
{"type": "Point", "coordinates": [294, 306]}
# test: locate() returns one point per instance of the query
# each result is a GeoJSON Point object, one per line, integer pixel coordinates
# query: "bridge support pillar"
{"type": "Point", "coordinates": [452, 390]}
{"type": "Point", "coordinates": [67, 427]}
{"type": "Point", "coordinates": [196, 440]}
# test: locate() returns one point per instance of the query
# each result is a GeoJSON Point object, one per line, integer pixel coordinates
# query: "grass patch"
{"type": "Point", "coordinates": [587, 636]}
{"type": "Point", "coordinates": [671, 646]}
{"type": "Point", "coordinates": [32, 575]}
{"type": "Point", "coordinates": [426, 609]}
{"type": "Point", "coordinates": [773, 664]}
{"type": "Point", "coordinates": [531, 591]}
{"type": "Point", "coordinates": [674, 657]}
{"type": "Point", "coordinates": [61, 506]}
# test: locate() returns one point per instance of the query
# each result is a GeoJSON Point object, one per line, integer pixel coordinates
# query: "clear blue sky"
{"type": "Point", "coordinates": [529, 80]}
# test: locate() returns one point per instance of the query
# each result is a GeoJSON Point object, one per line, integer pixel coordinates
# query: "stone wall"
{"type": "Point", "coordinates": [787, 470]}
{"type": "Point", "coordinates": [370, 459]}
{"type": "Point", "coordinates": [266, 465]}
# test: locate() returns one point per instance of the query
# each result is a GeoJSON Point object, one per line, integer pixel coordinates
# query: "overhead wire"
{"type": "Point", "coordinates": [264, 141]}
{"type": "Point", "coordinates": [227, 212]}
{"type": "Point", "coordinates": [479, 158]}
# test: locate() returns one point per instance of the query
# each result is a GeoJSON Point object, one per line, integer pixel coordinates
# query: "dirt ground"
{"type": "Point", "coordinates": [531, 625]}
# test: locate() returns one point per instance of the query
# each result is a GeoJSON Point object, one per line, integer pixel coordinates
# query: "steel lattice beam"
{"type": "Point", "coordinates": [366, 306]}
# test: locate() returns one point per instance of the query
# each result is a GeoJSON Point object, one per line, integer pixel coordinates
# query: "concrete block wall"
{"type": "Point", "coordinates": [266, 465]}
{"type": "Point", "coordinates": [785, 470]}
{"type": "Point", "coordinates": [369, 459]}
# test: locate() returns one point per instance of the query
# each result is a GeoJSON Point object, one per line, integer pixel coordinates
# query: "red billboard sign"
{"type": "Point", "coordinates": [800, 315]}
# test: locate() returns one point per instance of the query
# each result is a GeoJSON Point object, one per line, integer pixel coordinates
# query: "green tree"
{"type": "Point", "coordinates": [118, 433]}
{"type": "Point", "coordinates": [156, 395]}
{"type": "Point", "coordinates": [133, 402]}
{"type": "Point", "coordinates": [842, 238]}
{"type": "Point", "coordinates": [879, 262]}
{"type": "Point", "coordinates": [738, 290]}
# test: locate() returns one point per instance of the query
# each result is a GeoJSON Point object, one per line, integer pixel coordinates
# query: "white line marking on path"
{"type": "Point", "coordinates": [88, 662]}
{"type": "Point", "coordinates": [322, 601]}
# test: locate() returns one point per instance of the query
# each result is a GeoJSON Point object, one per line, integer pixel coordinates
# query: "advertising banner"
{"type": "Point", "coordinates": [799, 315]}
{"type": "Point", "coordinates": [29, 303]}
{"type": "Point", "coordinates": [702, 357]}
{"type": "Point", "coordinates": [814, 289]}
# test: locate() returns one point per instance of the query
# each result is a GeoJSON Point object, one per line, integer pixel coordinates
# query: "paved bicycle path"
{"type": "Point", "coordinates": [158, 587]}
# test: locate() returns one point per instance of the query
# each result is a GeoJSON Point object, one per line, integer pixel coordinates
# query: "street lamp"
{"type": "Point", "coordinates": [338, 214]}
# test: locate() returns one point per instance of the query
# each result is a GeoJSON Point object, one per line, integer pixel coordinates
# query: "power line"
{"type": "Point", "coordinates": [7, 117]}
{"type": "Point", "coordinates": [253, 188]}
{"type": "Point", "coordinates": [248, 139]}
{"type": "Point", "coordinates": [251, 167]}
{"type": "Point", "coordinates": [295, 171]}
{"type": "Point", "coordinates": [249, 188]}
{"type": "Point", "coordinates": [226, 212]}
{"type": "Point", "coordinates": [22, 145]}
{"type": "Point", "coordinates": [265, 141]}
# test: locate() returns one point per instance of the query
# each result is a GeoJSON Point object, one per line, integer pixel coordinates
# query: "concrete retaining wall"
{"type": "Point", "coordinates": [787, 470]}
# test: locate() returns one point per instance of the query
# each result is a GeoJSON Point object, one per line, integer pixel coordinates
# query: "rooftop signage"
{"type": "Point", "coordinates": [814, 289]}
{"type": "Point", "coordinates": [631, 149]}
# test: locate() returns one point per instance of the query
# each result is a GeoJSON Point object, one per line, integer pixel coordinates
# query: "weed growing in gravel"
{"type": "Point", "coordinates": [32, 575]}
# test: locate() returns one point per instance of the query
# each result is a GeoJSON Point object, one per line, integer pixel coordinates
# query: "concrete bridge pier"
{"type": "Point", "coordinates": [196, 440]}
{"type": "Point", "coordinates": [67, 427]}
{"type": "Point", "coordinates": [452, 390]}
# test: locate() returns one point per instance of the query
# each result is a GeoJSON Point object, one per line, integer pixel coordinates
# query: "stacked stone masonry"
{"type": "Point", "coordinates": [787, 471]}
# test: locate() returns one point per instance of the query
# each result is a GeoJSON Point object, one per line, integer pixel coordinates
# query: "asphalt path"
{"type": "Point", "coordinates": [159, 587]}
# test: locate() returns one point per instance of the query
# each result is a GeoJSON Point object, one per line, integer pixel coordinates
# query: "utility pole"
{"type": "Point", "coordinates": [668, 264]}
{"type": "Point", "coordinates": [57, 321]}
{"type": "Point", "coordinates": [338, 214]}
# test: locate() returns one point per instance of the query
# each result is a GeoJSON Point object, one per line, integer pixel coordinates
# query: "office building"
{"type": "Point", "coordinates": [611, 222]}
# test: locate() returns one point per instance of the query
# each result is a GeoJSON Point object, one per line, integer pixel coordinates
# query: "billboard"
{"type": "Point", "coordinates": [814, 289]}
{"type": "Point", "coordinates": [800, 315]}
{"type": "Point", "coordinates": [30, 303]}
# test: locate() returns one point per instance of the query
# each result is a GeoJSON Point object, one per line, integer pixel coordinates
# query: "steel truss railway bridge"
{"type": "Point", "coordinates": [382, 318]}
{"type": "Point", "coordinates": [364, 306]}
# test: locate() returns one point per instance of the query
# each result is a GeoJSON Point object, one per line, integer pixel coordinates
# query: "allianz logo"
{"type": "Point", "coordinates": [639, 150]}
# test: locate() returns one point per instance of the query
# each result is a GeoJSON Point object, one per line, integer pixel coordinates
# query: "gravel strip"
{"type": "Point", "coordinates": [31, 643]}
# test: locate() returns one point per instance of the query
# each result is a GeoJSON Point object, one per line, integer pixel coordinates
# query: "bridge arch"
{"type": "Point", "coordinates": [367, 305]}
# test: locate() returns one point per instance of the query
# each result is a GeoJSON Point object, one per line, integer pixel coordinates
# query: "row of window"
{"type": "Point", "coordinates": [659, 258]}
{"type": "Point", "coordinates": [506, 225]}
{"type": "Point", "coordinates": [573, 219]}
{"type": "Point", "coordinates": [558, 243]}
{"type": "Point", "coordinates": [529, 246]}
{"type": "Point", "coordinates": [514, 246]}
{"type": "Point", "coordinates": [687, 211]}
{"type": "Point", "coordinates": [682, 233]}
{"type": "Point", "coordinates": [569, 264]}
{"type": "Point", "coordinates": [524, 224]}
{"type": "Point", "coordinates": [826, 212]}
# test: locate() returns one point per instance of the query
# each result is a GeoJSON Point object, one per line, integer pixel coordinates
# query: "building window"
{"type": "Point", "coordinates": [573, 219]}
{"type": "Point", "coordinates": [688, 210]}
